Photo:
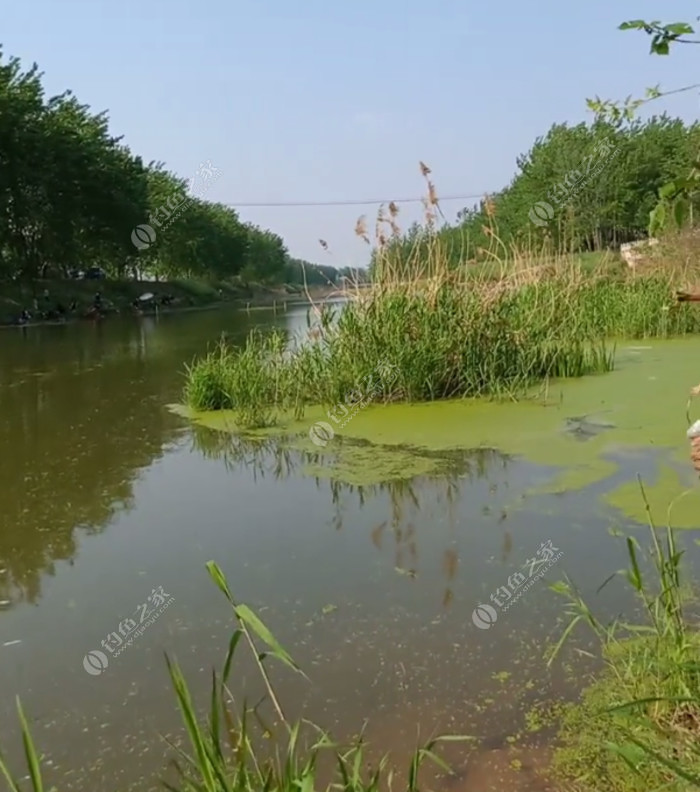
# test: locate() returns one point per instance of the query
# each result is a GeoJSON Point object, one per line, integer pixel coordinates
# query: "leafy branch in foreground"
{"type": "Point", "coordinates": [662, 36]}
{"type": "Point", "coordinates": [675, 198]}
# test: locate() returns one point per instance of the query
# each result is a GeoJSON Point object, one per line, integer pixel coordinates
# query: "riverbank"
{"type": "Point", "coordinates": [52, 301]}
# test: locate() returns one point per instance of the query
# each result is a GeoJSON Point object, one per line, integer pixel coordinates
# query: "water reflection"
{"type": "Point", "coordinates": [73, 445]}
{"type": "Point", "coordinates": [82, 414]}
{"type": "Point", "coordinates": [272, 458]}
{"type": "Point", "coordinates": [370, 587]}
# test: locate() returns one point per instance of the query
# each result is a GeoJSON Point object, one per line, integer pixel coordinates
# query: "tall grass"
{"type": "Point", "coordinates": [490, 327]}
{"type": "Point", "coordinates": [224, 753]}
{"type": "Point", "coordinates": [637, 727]}
{"type": "Point", "coordinates": [443, 340]}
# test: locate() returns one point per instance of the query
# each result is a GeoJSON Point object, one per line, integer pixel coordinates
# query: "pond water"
{"type": "Point", "coordinates": [367, 558]}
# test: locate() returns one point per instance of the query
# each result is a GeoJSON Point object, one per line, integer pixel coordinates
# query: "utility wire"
{"type": "Point", "coordinates": [372, 201]}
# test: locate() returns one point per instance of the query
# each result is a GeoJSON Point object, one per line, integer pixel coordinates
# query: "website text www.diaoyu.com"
{"type": "Point", "coordinates": [141, 628]}
{"type": "Point", "coordinates": [530, 582]}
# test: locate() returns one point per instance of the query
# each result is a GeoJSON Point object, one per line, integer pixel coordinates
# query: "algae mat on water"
{"type": "Point", "coordinates": [573, 426]}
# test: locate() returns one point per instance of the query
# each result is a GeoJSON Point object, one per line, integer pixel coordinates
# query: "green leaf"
{"type": "Point", "coordinates": [679, 29]}
{"type": "Point", "coordinates": [657, 219]}
{"type": "Point", "coordinates": [676, 767]}
{"type": "Point", "coordinates": [668, 190]}
{"type": "Point", "coordinates": [635, 24]}
{"type": "Point", "coordinates": [30, 751]}
{"type": "Point", "coordinates": [681, 211]}
{"type": "Point", "coordinates": [190, 719]}
{"type": "Point", "coordinates": [631, 756]}
{"type": "Point", "coordinates": [634, 575]}
{"type": "Point", "coordinates": [219, 578]}
{"type": "Point", "coordinates": [11, 782]}
{"type": "Point", "coordinates": [251, 620]}
{"type": "Point", "coordinates": [235, 638]}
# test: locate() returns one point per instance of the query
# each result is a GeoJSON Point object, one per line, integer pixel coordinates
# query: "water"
{"type": "Point", "coordinates": [106, 496]}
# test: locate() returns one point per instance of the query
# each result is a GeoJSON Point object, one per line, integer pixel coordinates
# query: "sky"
{"type": "Point", "coordinates": [315, 101]}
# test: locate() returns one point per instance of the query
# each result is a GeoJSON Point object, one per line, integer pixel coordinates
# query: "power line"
{"type": "Point", "coordinates": [372, 201]}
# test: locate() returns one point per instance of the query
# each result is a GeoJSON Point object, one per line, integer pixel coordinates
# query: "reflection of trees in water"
{"type": "Point", "coordinates": [263, 457]}
{"type": "Point", "coordinates": [81, 413]}
{"type": "Point", "coordinates": [79, 417]}
{"type": "Point", "coordinates": [407, 497]}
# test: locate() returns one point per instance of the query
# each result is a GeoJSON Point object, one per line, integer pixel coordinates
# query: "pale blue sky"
{"type": "Point", "coordinates": [320, 101]}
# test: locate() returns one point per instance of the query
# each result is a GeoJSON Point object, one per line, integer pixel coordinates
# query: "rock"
{"type": "Point", "coordinates": [633, 252]}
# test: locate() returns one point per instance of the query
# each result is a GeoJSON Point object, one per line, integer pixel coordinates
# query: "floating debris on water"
{"type": "Point", "coordinates": [583, 428]}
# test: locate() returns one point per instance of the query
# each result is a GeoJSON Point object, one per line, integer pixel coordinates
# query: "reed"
{"type": "Point", "coordinates": [443, 341]}
{"type": "Point", "coordinates": [450, 326]}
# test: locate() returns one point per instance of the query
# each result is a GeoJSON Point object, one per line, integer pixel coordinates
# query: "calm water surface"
{"type": "Point", "coordinates": [106, 496]}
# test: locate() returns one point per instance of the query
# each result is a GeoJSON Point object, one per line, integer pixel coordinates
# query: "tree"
{"type": "Point", "coordinates": [74, 196]}
{"type": "Point", "coordinates": [676, 197]}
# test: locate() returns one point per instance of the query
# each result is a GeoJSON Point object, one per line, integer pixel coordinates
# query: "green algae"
{"type": "Point", "coordinates": [672, 498]}
{"type": "Point", "coordinates": [641, 405]}
{"type": "Point", "coordinates": [365, 465]}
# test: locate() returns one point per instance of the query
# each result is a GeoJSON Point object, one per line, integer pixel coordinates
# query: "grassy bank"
{"type": "Point", "coordinates": [445, 335]}
{"type": "Point", "coordinates": [637, 727]}
{"type": "Point", "coordinates": [118, 296]}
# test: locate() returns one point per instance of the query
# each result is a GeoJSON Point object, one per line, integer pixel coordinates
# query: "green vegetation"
{"type": "Point", "coordinates": [72, 195]}
{"type": "Point", "coordinates": [444, 336]}
{"type": "Point", "coordinates": [644, 709]}
{"type": "Point", "coordinates": [225, 747]}
{"type": "Point", "coordinates": [601, 181]}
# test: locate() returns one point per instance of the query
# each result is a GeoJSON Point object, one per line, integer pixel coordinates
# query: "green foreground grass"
{"type": "Point", "coordinates": [637, 727]}
{"type": "Point", "coordinates": [224, 753]}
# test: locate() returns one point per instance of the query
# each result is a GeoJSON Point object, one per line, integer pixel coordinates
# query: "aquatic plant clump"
{"type": "Point", "coordinates": [444, 338]}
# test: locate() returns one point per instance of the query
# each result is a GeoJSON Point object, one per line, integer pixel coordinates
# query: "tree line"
{"type": "Point", "coordinates": [583, 187]}
{"type": "Point", "coordinates": [74, 196]}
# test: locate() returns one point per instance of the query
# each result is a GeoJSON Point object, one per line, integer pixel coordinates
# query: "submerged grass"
{"type": "Point", "coordinates": [637, 727]}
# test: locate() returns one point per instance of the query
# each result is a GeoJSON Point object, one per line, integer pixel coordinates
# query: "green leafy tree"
{"type": "Point", "coordinates": [677, 198]}
{"type": "Point", "coordinates": [73, 196]}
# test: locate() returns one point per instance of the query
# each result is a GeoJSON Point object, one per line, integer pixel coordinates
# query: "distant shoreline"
{"type": "Point", "coordinates": [118, 298]}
